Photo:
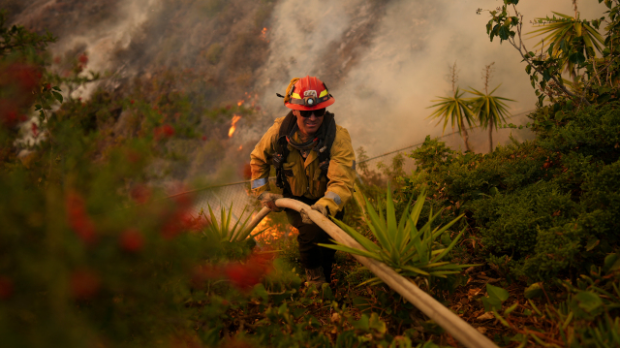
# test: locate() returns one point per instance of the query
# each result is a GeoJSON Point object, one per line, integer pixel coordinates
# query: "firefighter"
{"type": "Point", "coordinates": [315, 164]}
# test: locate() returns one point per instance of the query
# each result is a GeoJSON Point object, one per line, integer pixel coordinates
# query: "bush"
{"type": "Point", "coordinates": [541, 207]}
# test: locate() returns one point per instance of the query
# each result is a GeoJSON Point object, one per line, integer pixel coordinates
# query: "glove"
{"type": "Point", "coordinates": [268, 199]}
{"type": "Point", "coordinates": [321, 209]}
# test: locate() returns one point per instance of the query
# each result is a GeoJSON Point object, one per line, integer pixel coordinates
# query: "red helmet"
{"type": "Point", "coordinates": [308, 93]}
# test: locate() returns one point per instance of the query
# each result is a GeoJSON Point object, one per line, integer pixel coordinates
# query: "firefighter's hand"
{"type": "Point", "coordinates": [321, 209]}
{"type": "Point", "coordinates": [268, 199]}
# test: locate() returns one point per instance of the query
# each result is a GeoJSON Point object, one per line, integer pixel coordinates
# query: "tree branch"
{"type": "Point", "coordinates": [527, 59]}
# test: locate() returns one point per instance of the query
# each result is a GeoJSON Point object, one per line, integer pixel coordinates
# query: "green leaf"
{"type": "Point", "coordinates": [415, 270]}
{"type": "Point", "coordinates": [56, 88]}
{"type": "Point", "coordinates": [447, 250]}
{"type": "Point", "coordinates": [577, 58]}
{"type": "Point", "coordinates": [376, 324]}
{"type": "Point", "coordinates": [497, 292]}
{"type": "Point", "coordinates": [350, 250]}
{"type": "Point", "coordinates": [592, 243]}
{"type": "Point", "coordinates": [365, 242]}
{"type": "Point", "coordinates": [588, 301]}
{"type": "Point", "coordinates": [533, 291]}
{"type": "Point", "coordinates": [58, 96]}
{"type": "Point", "coordinates": [612, 263]}
{"type": "Point", "coordinates": [491, 304]}
{"type": "Point", "coordinates": [511, 308]}
{"type": "Point", "coordinates": [362, 324]}
{"type": "Point", "coordinates": [501, 319]}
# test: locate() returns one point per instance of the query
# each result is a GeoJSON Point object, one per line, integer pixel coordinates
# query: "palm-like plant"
{"type": "Point", "coordinates": [570, 39]}
{"type": "Point", "coordinates": [456, 110]}
{"type": "Point", "coordinates": [490, 110]}
{"type": "Point", "coordinates": [226, 230]}
{"type": "Point", "coordinates": [401, 245]}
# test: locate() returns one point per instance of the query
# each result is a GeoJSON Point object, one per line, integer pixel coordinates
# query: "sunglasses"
{"type": "Point", "coordinates": [317, 113]}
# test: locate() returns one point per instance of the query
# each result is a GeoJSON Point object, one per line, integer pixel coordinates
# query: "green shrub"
{"type": "Point", "coordinates": [542, 208]}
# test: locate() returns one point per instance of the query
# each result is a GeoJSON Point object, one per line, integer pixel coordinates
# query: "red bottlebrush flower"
{"type": "Point", "coordinates": [35, 129]}
{"type": "Point", "coordinates": [165, 131]}
{"type": "Point", "coordinates": [48, 86]}
{"type": "Point", "coordinates": [140, 193]}
{"type": "Point", "coordinates": [202, 273]}
{"type": "Point", "coordinates": [6, 288]}
{"type": "Point", "coordinates": [27, 76]}
{"type": "Point", "coordinates": [84, 284]}
{"type": "Point", "coordinates": [131, 240]}
{"type": "Point", "coordinates": [83, 59]}
{"type": "Point", "coordinates": [242, 276]}
{"type": "Point", "coordinates": [79, 220]}
{"type": "Point", "coordinates": [246, 275]}
{"type": "Point", "coordinates": [9, 116]}
{"type": "Point", "coordinates": [204, 138]}
{"type": "Point", "coordinates": [183, 200]}
{"type": "Point", "coordinates": [131, 101]}
{"type": "Point", "coordinates": [180, 219]}
{"type": "Point", "coordinates": [133, 156]}
{"type": "Point", "coordinates": [171, 229]}
{"type": "Point", "coordinates": [194, 223]}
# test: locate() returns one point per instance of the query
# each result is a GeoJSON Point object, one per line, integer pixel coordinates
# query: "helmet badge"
{"type": "Point", "coordinates": [310, 97]}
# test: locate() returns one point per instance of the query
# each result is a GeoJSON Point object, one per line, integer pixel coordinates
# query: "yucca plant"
{"type": "Point", "coordinates": [226, 230]}
{"type": "Point", "coordinates": [409, 250]}
{"type": "Point", "coordinates": [490, 110]}
{"type": "Point", "coordinates": [569, 38]}
{"type": "Point", "coordinates": [456, 110]}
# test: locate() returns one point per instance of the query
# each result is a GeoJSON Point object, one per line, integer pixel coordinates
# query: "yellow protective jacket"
{"type": "Point", "coordinates": [306, 179]}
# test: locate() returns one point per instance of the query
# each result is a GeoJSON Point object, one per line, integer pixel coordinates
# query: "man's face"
{"type": "Point", "coordinates": [308, 125]}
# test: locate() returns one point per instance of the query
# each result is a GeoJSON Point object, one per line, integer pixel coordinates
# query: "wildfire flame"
{"type": "Point", "coordinates": [233, 127]}
{"type": "Point", "coordinates": [240, 148]}
{"type": "Point", "coordinates": [272, 232]}
{"type": "Point", "coordinates": [248, 98]}
{"type": "Point", "coordinates": [263, 34]}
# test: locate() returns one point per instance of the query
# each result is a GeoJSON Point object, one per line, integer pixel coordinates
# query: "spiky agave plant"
{"type": "Point", "coordinates": [409, 250]}
{"type": "Point", "coordinates": [226, 230]}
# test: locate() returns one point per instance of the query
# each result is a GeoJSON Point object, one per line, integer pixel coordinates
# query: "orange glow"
{"type": "Point", "coordinates": [233, 127]}
{"type": "Point", "coordinates": [240, 102]}
{"type": "Point", "coordinates": [272, 232]}
{"type": "Point", "coordinates": [240, 148]}
{"type": "Point", "coordinates": [263, 35]}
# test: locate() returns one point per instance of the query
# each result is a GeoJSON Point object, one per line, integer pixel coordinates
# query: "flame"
{"type": "Point", "coordinates": [263, 34]}
{"type": "Point", "coordinates": [240, 148]}
{"type": "Point", "coordinates": [233, 127]}
{"type": "Point", "coordinates": [240, 102]}
{"type": "Point", "coordinates": [272, 232]}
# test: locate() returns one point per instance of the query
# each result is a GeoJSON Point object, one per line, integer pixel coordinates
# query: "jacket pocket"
{"type": "Point", "coordinates": [296, 178]}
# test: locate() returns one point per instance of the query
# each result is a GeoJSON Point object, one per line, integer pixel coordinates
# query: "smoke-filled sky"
{"type": "Point", "coordinates": [385, 61]}
{"type": "Point", "coordinates": [383, 99]}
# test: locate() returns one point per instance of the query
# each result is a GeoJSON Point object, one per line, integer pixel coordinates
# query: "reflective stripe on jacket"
{"type": "Point", "coordinates": [304, 176]}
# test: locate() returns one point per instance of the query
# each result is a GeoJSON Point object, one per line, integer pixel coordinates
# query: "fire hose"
{"type": "Point", "coordinates": [453, 324]}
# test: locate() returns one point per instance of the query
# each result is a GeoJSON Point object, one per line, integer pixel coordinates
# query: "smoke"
{"type": "Point", "coordinates": [383, 100]}
{"type": "Point", "coordinates": [384, 61]}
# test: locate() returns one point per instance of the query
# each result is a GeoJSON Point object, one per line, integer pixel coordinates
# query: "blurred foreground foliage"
{"type": "Point", "coordinates": [92, 254]}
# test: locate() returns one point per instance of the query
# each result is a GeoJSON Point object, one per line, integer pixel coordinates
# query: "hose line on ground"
{"type": "Point", "coordinates": [453, 324]}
